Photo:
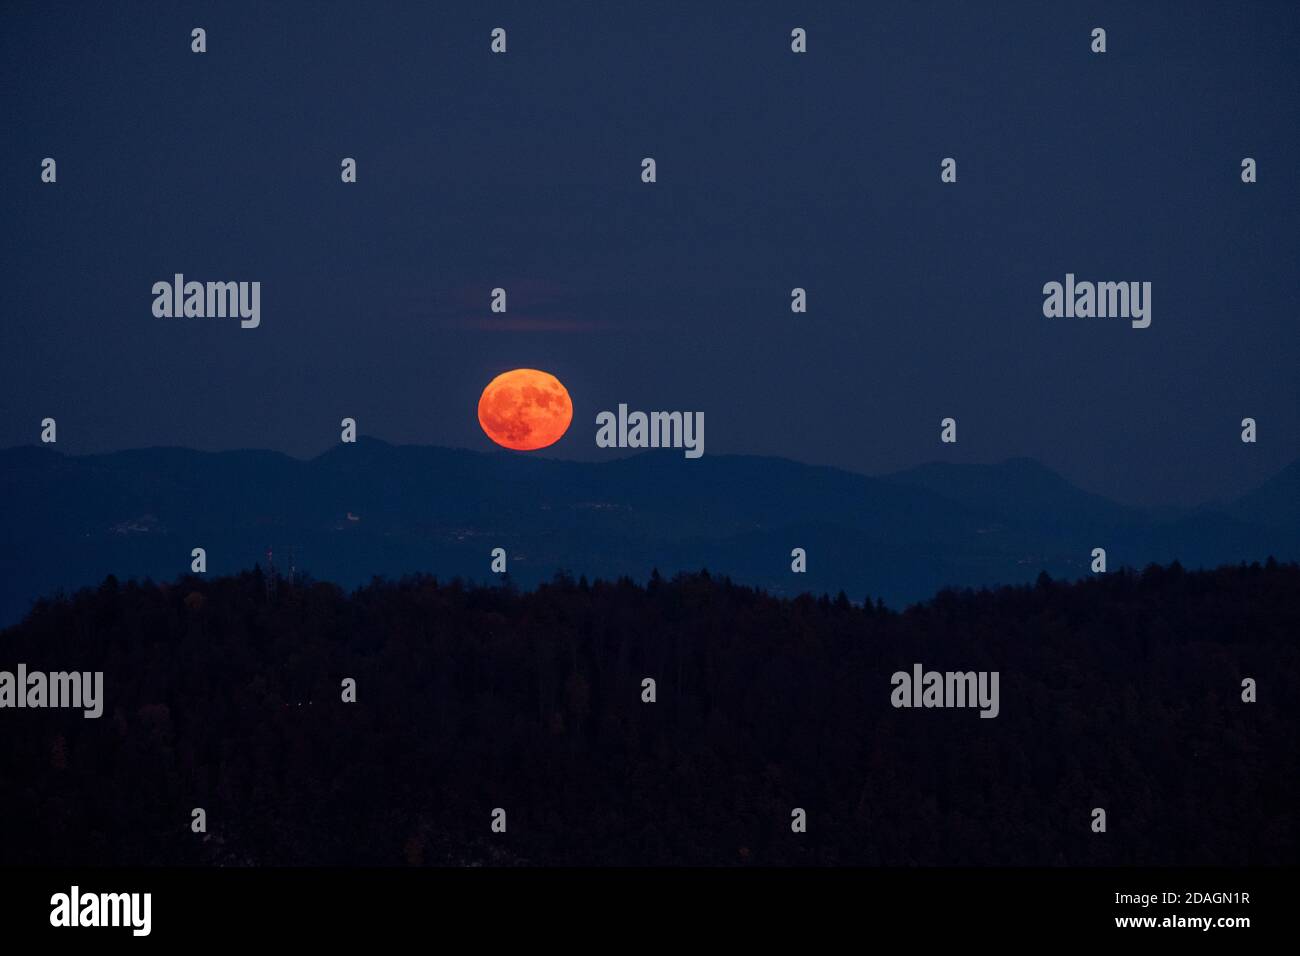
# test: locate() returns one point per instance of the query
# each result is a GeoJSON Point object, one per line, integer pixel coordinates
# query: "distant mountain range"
{"type": "Point", "coordinates": [377, 509]}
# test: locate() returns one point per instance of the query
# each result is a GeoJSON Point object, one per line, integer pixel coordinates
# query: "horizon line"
{"type": "Point", "coordinates": [1204, 504]}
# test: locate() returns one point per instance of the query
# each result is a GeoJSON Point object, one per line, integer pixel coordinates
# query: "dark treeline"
{"type": "Point", "coordinates": [1121, 692]}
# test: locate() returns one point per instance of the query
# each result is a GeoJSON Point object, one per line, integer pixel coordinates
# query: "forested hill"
{"type": "Point", "coordinates": [1121, 692]}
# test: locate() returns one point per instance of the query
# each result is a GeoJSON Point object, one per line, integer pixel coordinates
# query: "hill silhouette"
{"type": "Point", "coordinates": [373, 508]}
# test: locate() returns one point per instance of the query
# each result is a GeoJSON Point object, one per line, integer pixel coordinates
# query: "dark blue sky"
{"type": "Point", "coordinates": [775, 170]}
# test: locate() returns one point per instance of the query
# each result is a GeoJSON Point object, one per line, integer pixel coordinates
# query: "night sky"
{"type": "Point", "coordinates": [775, 170]}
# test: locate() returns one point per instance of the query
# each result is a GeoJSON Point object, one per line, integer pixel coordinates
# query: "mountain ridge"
{"type": "Point", "coordinates": [355, 511]}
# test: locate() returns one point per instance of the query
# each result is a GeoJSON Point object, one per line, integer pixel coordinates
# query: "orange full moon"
{"type": "Point", "coordinates": [525, 409]}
